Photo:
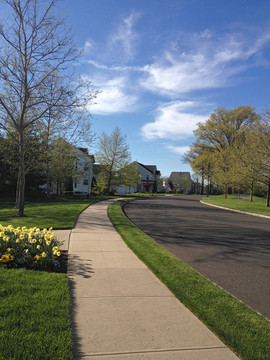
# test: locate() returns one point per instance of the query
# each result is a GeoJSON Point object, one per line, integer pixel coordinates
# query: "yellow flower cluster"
{"type": "Point", "coordinates": [6, 258]}
{"type": "Point", "coordinates": [56, 251]}
{"type": "Point", "coordinates": [31, 248]}
{"type": "Point", "coordinates": [32, 235]}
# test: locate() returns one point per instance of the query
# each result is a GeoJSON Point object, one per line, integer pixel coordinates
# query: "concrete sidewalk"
{"type": "Point", "coordinates": [120, 310]}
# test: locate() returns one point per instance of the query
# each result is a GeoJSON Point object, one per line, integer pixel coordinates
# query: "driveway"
{"type": "Point", "coordinates": [230, 249]}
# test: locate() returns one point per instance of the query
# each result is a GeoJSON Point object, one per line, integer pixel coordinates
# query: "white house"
{"type": "Point", "coordinates": [84, 164]}
{"type": "Point", "coordinates": [148, 180]}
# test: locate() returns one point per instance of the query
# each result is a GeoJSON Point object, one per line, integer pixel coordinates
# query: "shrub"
{"type": "Point", "coordinates": [30, 248]}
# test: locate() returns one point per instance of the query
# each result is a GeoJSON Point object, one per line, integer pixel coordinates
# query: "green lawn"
{"type": "Point", "coordinates": [257, 206]}
{"type": "Point", "coordinates": [34, 316]}
{"type": "Point", "coordinates": [241, 328]}
{"type": "Point", "coordinates": [59, 214]}
{"type": "Point", "coordinates": [35, 305]}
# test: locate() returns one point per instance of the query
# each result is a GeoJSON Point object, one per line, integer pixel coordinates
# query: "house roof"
{"type": "Point", "coordinates": [85, 151]}
{"type": "Point", "coordinates": [176, 175]}
{"type": "Point", "coordinates": [151, 168]}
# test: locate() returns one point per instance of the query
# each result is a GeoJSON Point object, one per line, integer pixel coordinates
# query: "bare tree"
{"type": "Point", "coordinates": [36, 55]}
{"type": "Point", "coordinates": [112, 156]}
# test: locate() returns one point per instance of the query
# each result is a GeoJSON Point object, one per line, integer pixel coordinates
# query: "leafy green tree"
{"type": "Point", "coordinates": [258, 151]}
{"type": "Point", "coordinates": [131, 175]}
{"type": "Point", "coordinates": [33, 158]}
{"type": "Point", "coordinates": [201, 158]}
{"type": "Point", "coordinates": [112, 156]}
{"type": "Point", "coordinates": [60, 167]}
{"type": "Point", "coordinates": [223, 133]}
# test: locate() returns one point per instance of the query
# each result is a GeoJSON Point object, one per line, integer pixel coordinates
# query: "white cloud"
{"type": "Point", "coordinates": [202, 61]}
{"type": "Point", "coordinates": [174, 120]}
{"type": "Point", "coordinates": [123, 41]}
{"type": "Point", "coordinates": [114, 97]}
{"type": "Point", "coordinates": [179, 150]}
{"type": "Point", "coordinates": [208, 62]}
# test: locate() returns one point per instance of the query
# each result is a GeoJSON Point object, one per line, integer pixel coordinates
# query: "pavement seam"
{"type": "Point", "coordinates": [153, 351]}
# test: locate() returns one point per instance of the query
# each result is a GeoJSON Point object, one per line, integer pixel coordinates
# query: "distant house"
{"type": "Point", "coordinates": [82, 180]}
{"type": "Point", "coordinates": [179, 182]}
{"type": "Point", "coordinates": [148, 180]}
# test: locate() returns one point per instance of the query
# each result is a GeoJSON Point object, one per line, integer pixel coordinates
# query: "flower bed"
{"type": "Point", "coordinates": [30, 248]}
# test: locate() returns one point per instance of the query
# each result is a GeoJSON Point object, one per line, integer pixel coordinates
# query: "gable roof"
{"type": "Point", "coordinates": [151, 168]}
{"type": "Point", "coordinates": [176, 175]}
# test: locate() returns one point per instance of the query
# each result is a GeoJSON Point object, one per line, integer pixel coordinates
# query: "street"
{"type": "Point", "coordinates": [230, 249]}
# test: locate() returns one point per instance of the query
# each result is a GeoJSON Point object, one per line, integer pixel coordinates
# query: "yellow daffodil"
{"type": "Point", "coordinates": [4, 258]}
{"type": "Point", "coordinates": [43, 254]}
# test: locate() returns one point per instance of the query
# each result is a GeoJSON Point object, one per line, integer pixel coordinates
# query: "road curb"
{"type": "Point", "coordinates": [234, 210]}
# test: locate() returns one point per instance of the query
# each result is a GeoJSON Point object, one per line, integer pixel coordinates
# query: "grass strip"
{"type": "Point", "coordinates": [257, 206]}
{"type": "Point", "coordinates": [239, 327]}
{"type": "Point", "coordinates": [59, 214]}
{"type": "Point", "coordinates": [34, 315]}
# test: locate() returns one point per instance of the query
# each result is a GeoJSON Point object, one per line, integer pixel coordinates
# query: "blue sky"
{"type": "Point", "coordinates": [165, 65]}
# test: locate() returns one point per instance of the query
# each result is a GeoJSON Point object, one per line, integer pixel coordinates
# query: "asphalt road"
{"type": "Point", "coordinates": [230, 249]}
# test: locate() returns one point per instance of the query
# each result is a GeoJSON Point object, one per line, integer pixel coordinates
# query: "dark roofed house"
{"type": "Point", "coordinates": [149, 178]}
{"type": "Point", "coordinates": [180, 182]}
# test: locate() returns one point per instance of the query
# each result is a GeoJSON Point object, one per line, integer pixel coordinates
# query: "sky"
{"type": "Point", "coordinates": [164, 65]}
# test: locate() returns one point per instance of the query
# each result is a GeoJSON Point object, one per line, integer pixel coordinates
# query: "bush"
{"type": "Point", "coordinates": [32, 248]}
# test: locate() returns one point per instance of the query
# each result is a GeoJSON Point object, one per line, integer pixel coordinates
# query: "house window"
{"type": "Point", "coordinates": [86, 167]}
{"type": "Point", "coordinates": [85, 181]}
{"type": "Point", "coordinates": [147, 177]}
{"type": "Point", "coordinates": [75, 185]}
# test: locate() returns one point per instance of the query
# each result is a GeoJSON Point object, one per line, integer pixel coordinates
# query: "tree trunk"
{"type": "Point", "coordinates": [202, 189]}
{"type": "Point", "coordinates": [17, 191]}
{"type": "Point", "coordinates": [21, 178]}
{"type": "Point", "coordinates": [268, 195]}
{"type": "Point", "coordinates": [226, 192]}
{"type": "Point", "coordinates": [251, 191]}
{"type": "Point", "coordinates": [208, 186]}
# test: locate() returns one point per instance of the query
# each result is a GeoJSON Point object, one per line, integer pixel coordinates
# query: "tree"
{"type": "Point", "coordinates": [258, 150]}
{"type": "Point", "coordinates": [33, 158]}
{"type": "Point", "coordinates": [36, 52]}
{"type": "Point", "coordinates": [223, 133]}
{"type": "Point", "coordinates": [130, 175]}
{"type": "Point", "coordinates": [201, 159]}
{"type": "Point", "coordinates": [112, 155]}
{"type": "Point", "coordinates": [60, 165]}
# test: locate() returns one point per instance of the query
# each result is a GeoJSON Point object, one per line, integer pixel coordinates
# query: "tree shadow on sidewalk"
{"type": "Point", "coordinates": [83, 268]}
